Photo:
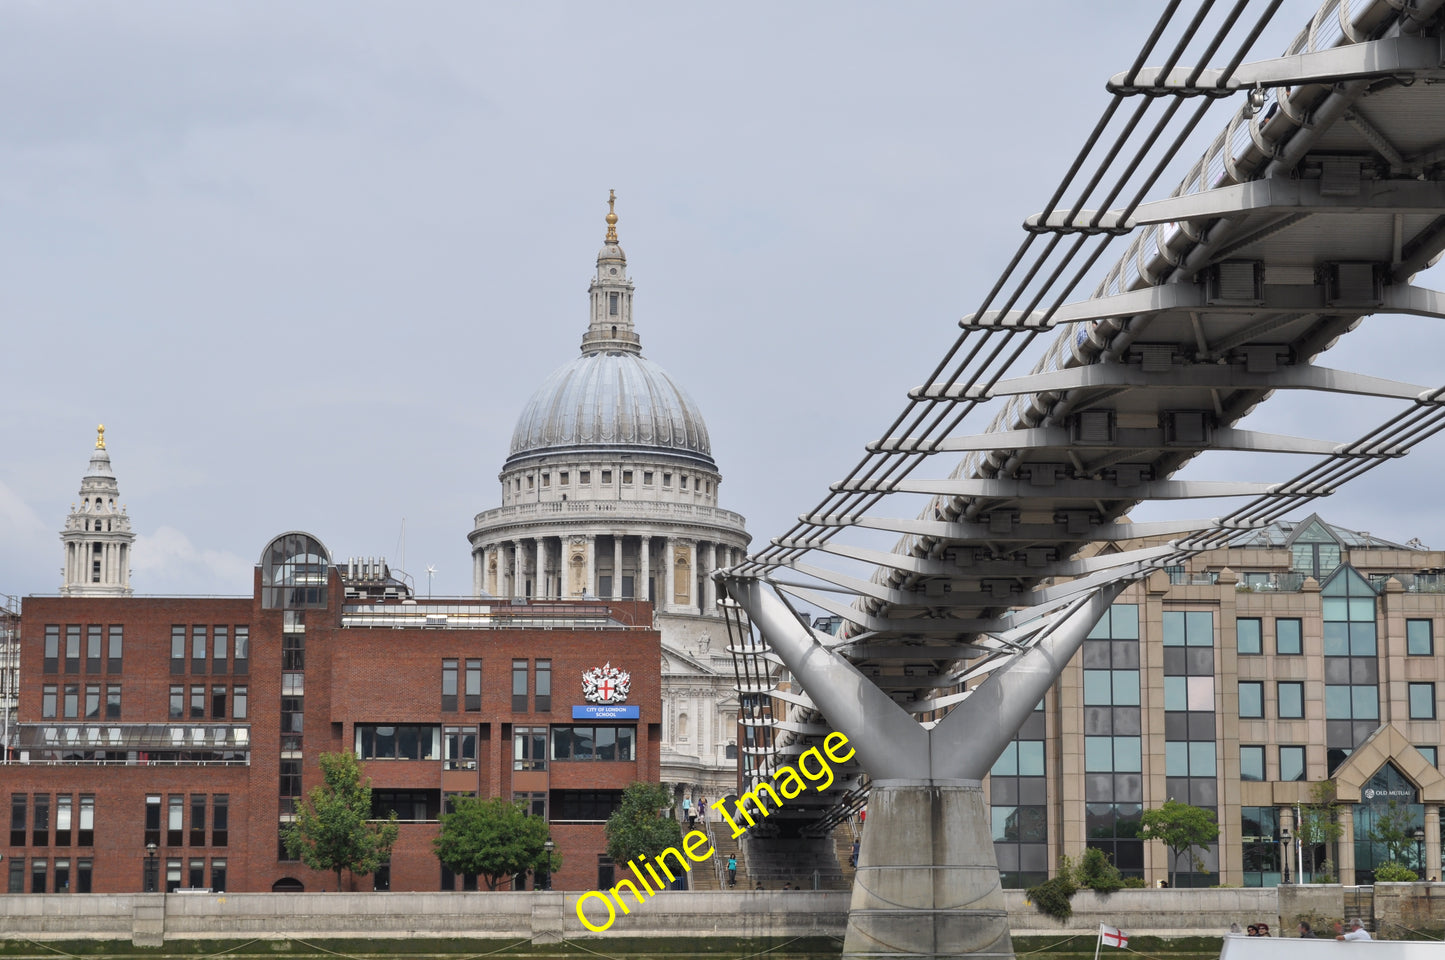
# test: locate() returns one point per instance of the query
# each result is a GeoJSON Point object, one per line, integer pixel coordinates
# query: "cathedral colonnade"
{"type": "Point", "coordinates": [671, 571]}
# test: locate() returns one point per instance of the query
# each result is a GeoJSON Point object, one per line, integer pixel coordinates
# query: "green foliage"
{"type": "Point", "coordinates": [333, 829]}
{"type": "Point", "coordinates": [1052, 897]}
{"type": "Point", "coordinates": [1181, 828]}
{"type": "Point", "coordinates": [1326, 873]}
{"type": "Point", "coordinates": [1093, 871]}
{"type": "Point", "coordinates": [1394, 828]}
{"type": "Point", "coordinates": [494, 839]}
{"type": "Point", "coordinates": [1134, 883]}
{"type": "Point", "coordinates": [1319, 824]}
{"type": "Point", "coordinates": [1392, 872]}
{"type": "Point", "coordinates": [638, 828]}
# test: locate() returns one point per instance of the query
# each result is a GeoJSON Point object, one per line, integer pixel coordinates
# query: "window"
{"type": "Point", "coordinates": [667, 479]}
{"type": "Point", "coordinates": [220, 819]}
{"type": "Point", "coordinates": [1251, 698]}
{"type": "Point", "coordinates": [543, 702]}
{"type": "Point", "coordinates": [290, 778]}
{"type": "Point", "coordinates": [1347, 702]}
{"type": "Point", "coordinates": [594, 805]}
{"type": "Point", "coordinates": [198, 650]}
{"type": "Point", "coordinates": [292, 716]}
{"type": "Point", "coordinates": [198, 702]}
{"type": "Point", "coordinates": [63, 804]}
{"type": "Point", "coordinates": [242, 651]}
{"type": "Point", "coordinates": [72, 648]}
{"type": "Point", "coordinates": [72, 701]}
{"type": "Point", "coordinates": [94, 636]}
{"type": "Point", "coordinates": [153, 820]}
{"type": "Point", "coordinates": [1188, 758]}
{"type": "Point", "coordinates": [178, 649]}
{"type": "Point", "coordinates": [218, 703]}
{"type": "Point", "coordinates": [1291, 763]}
{"type": "Point", "coordinates": [594, 743]}
{"type": "Point", "coordinates": [1251, 763]}
{"type": "Point", "coordinates": [647, 477]}
{"type": "Point", "coordinates": [48, 695]}
{"type": "Point", "coordinates": [519, 686]}
{"type": "Point", "coordinates": [218, 876]}
{"type": "Point", "coordinates": [584, 476]}
{"type": "Point", "coordinates": [1113, 755]}
{"type": "Point", "coordinates": [178, 702]}
{"type": "Point", "coordinates": [398, 742]}
{"type": "Point", "coordinates": [220, 642]}
{"type": "Point", "coordinates": [1021, 758]}
{"type": "Point", "coordinates": [92, 701]}
{"type": "Point", "coordinates": [173, 874]}
{"type": "Point", "coordinates": [412, 805]}
{"type": "Point", "coordinates": [563, 478]}
{"type": "Point", "coordinates": [612, 299]}
{"type": "Point", "coordinates": [83, 868]}
{"type": "Point", "coordinates": [1419, 638]}
{"type": "Point", "coordinates": [198, 820]}
{"type": "Point", "coordinates": [1111, 688]}
{"type": "Point", "coordinates": [1191, 628]}
{"type": "Point", "coordinates": [1422, 701]}
{"type": "Point", "coordinates": [529, 748]}
{"type": "Point", "coordinates": [112, 701]}
{"type": "Point", "coordinates": [546, 479]}
{"type": "Point", "coordinates": [239, 703]}
{"type": "Point", "coordinates": [1431, 754]}
{"type": "Point", "coordinates": [293, 651]}
{"type": "Point", "coordinates": [17, 875]}
{"type": "Point", "coordinates": [175, 814]}
{"type": "Point", "coordinates": [1287, 637]}
{"type": "Point", "coordinates": [1290, 699]}
{"type": "Point", "coordinates": [606, 476]}
{"type": "Point", "coordinates": [40, 827]}
{"type": "Point", "coordinates": [473, 700]}
{"type": "Point", "coordinates": [85, 836]}
{"type": "Point", "coordinates": [682, 481]}
{"type": "Point", "coordinates": [116, 645]}
{"type": "Point", "coordinates": [534, 803]}
{"type": "Point", "coordinates": [19, 810]}
{"type": "Point", "coordinates": [627, 476]}
{"type": "Point", "coordinates": [196, 874]}
{"type": "Point", "coordinates": [52, 648]}
{"type": "Point", "coordinates": [1248, 635]}
{"type": "Point", "coordinates": [38, 871]}
{"type": "Point", "coordinates": [449, 685]}
{"type": "Point", "coordinates": [461, 748]}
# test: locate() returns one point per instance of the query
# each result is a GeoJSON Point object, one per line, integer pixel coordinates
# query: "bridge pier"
{"type": "Point", "coordinates": [927, 883]}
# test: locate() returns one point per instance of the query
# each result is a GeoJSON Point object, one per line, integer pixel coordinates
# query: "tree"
{"type": "Point", "coordinates": [1394, 830]}
{"type": "Point", "coordinates": [493, 839]}
{"type": "Point", "coordinates": [333, 829]}
{"type": "Point", "coordinates": [1181, 828]}
{"type": "Point", "coordinates": [638, 828]}
{"type": "Point", "coordinates": [1318, 822]}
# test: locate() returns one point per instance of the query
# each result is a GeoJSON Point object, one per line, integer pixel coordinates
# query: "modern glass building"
{"type": "Point", "coordinates": [1241, 683]}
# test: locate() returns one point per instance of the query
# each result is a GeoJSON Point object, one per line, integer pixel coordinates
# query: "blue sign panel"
{"type": "Point", "coordinates": [606, 711]}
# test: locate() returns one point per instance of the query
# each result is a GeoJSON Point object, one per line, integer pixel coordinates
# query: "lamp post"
{"type": "Point", "coordinates": [151, 864]}
{"type": "Point", "coordinates": [1420, 849]}
{"type": "Point", "coordinates": [544, 875]}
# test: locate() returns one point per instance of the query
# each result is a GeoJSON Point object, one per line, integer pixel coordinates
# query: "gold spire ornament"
{"type": "Point", "coordinates": [100, 437]}
{"type": "Point", "coordinates": [611, 216]}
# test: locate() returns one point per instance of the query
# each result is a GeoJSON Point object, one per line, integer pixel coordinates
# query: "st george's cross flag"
{"type": "Point", "coordinates": [1112, 936]}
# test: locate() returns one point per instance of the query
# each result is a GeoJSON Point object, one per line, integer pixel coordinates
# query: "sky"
{"type": "Point", "coordinates": [307, 262]}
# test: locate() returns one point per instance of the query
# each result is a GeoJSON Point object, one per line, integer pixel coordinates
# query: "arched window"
{"type": "Point", "coordinates": [731, 753]}
{"type": "Point", "coordinates": [682, 726]}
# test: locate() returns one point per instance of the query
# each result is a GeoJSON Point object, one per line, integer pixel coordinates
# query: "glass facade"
{"type": "Point", "coordinates": [1113, 740]}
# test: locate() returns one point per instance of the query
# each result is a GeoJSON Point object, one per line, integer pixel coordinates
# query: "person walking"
{"type": "Point", "coordinates": [687, 810]}
{"type": "Point", "coordinates": [732, 870]}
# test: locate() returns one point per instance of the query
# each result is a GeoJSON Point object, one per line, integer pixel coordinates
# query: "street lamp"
{"type": "Point", "coordinates": [151, 864]}
{"type": "Point", "coordinates": [544, 874]}
{"type": "Point", "coordinates": [1420, 848]}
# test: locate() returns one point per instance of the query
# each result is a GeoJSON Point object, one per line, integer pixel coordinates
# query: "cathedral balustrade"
{"type": "Point", "coordinates": [609, 509]}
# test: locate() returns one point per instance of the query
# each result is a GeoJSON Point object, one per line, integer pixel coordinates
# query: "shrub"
{"type": "Point", "coordinates": [1134, 883]}
{"type": "Point", "coordinates": [1390, 872]}
{"type": "Point", "coordinates": [1095, 872]}
{"type": "Point", "coordinates": [1051, 897]}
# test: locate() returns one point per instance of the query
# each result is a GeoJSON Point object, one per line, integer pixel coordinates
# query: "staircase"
{"type": "Point", "coordinates": [773, 862]}
{"type": "Point", "coordinates": [726, 846]}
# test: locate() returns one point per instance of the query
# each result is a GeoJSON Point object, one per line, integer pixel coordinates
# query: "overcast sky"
{"type": "Point", "coordinates": [307, 262]}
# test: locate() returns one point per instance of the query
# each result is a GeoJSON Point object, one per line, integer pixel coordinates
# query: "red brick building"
{"type": "Point", "coordinates": [195, 724]}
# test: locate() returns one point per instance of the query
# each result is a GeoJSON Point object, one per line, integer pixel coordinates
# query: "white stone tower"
{"type": "Point", "coordinates": [97, 534]}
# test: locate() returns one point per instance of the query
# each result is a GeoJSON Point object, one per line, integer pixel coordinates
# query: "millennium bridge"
{"type": "Point", "coordinates": [1006, 483]}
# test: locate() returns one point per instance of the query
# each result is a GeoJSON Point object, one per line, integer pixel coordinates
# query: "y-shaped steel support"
{"type": "Point", "coordinates": [927, 883]}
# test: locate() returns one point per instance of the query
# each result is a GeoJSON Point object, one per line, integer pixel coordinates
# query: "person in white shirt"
{"type": "Point", "coordinates": [1357, 931]}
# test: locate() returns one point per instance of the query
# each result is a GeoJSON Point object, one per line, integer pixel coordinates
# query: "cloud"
{"type": "Point", "coordinates": [26, 539]}
{"type": "Point", "coordinates": [167, 562]}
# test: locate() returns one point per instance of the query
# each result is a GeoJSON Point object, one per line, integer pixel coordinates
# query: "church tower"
{"type": "Point", "coordinates": [97, 534]}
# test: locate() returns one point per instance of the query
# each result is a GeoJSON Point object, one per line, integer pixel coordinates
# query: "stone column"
{"type": "Point", "coordinates": [1345, 871]}
{"type": "Point", "coordinates": [590, 590]}
{"type": "Point", "coordinates": [1432, 842]}
{"type": "Point", "coordinates": [709, 588]}
{"type": "Point", "coordinates": [617, 566]}
{"type": "Point", "coordinates": [544, 586]}
{"type": "Point", "coordinates": [644, 570]}
{"type": "Point", "coordinates": [519, 568]}
{"type": "Point", "coordinates": [669, 572]}
{"type": "Point", "coordinates": [494, 563]}
{"type": "Point", "coordinates": [478, 568]}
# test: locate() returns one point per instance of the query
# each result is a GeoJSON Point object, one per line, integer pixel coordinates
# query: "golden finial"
{"type": "Point", "coordinates": [100, 437]}
{"type": "Point", "coordinates": [611, 216]}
